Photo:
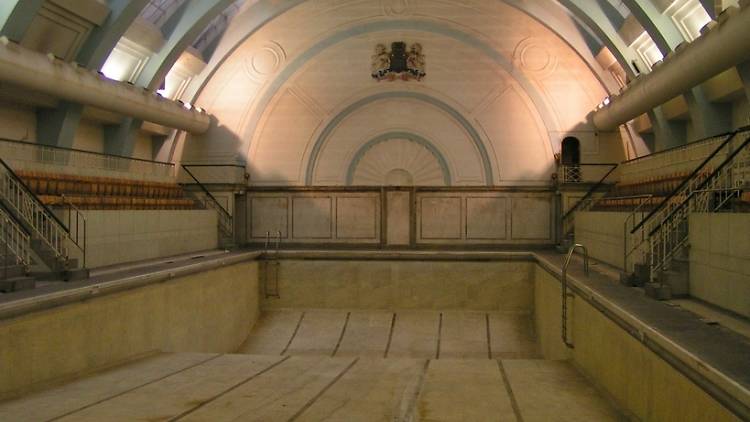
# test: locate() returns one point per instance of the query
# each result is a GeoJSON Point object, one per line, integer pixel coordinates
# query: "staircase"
{"type": "Point", "coordinates": [661, 237]}
{"type": "Point", "coordinates": [15, 256]}
{"type": "Point", "coordinates": [51, 248]}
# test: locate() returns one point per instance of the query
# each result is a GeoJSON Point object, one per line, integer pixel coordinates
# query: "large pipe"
{"type": "Point", "coordinates": [38, 72]}
{"type": "Point", "coordinates": [722, 47]}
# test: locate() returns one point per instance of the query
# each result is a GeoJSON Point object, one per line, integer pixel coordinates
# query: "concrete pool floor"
{"type": "Point", "coordinates": [340, 366]}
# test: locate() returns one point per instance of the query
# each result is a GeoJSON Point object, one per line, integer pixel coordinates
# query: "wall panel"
{"type": "Point", "coordinates": [415, 217]}
{"type": "Point", "coordinates": [314, 216]}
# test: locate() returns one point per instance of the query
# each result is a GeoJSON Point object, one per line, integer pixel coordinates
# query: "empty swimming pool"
{"type": "Point", "coordinates": [349, 337]}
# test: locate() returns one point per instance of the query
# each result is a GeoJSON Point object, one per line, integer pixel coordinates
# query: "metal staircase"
{"type": "Point", "coordinates": [661, 237]}
{"type": "Point", "coordinates": [52, 249]}
{"type": "Point", "coordinates": [15, 255]}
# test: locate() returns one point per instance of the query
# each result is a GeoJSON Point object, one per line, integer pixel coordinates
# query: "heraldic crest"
{"type": "Point", "coordinates": [398, 63]}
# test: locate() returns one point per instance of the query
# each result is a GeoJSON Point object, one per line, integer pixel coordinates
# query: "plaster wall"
{"type": "Point", "coordinates": [296, 101]}
{"type": "Point", "coordinates": [17, 122]}
{"type": "Point", "coordinates": [720, 260]}
{"type": "Point", "coordinates": [204, 312]}
{"type": "Point", "coordinates": [116, 237]}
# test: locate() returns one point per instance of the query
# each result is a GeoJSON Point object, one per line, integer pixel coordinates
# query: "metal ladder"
{"type": "Point", "coordinates": [271, 268]}
{"type": "Point", "coordinates": [564, 289]}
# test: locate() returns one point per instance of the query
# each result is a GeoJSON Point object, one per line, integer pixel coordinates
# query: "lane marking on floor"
{"type": "Point", "coordinates": [489, 343]}
{"type": "Point", "coordinates": [321, 392]}
{"type": "Point", "coordinates": [390, 336]}
{"type": "Point", "coordinates": [234, 387]}
{"type": "Point", "coordinates": [407, 414]}
{"type": "Point", "coordinates": [135, 388]}
{"type": "Point", "coordinates": [509, 389]}
{"type": "Point", "coordinates": [439, 335]}
{"type": "Point", "coordinates": [294, 334]}
{"type": "Point", "coordinates": [341, 336]}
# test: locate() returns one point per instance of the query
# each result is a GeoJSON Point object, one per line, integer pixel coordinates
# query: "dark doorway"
{"type": "Point", "coordinates": [571, 159]}
{"type": "Point", "coordinates": [571, 151]}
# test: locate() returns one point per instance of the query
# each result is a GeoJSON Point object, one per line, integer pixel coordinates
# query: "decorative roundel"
{"type": "Point", "coordinates": [530, 55]}
{"type": "Point", "coordinates": [265, 61]}
{"type": "Point", "coordinates": [396, 7]}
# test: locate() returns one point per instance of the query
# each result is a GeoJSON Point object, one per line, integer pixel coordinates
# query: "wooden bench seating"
{"type": "Point", "coordinates": [88, 192]}
{"type": "Point", "coordinates": [118, 202]}
{"type": "Point", "coordinates": [662, 186]}
{"type": "Point", "coordinates": [65, 184]}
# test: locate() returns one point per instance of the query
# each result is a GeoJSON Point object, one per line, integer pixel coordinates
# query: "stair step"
{"type": "Point", "coordinates": [75, 274]}
{"type": "Point", "coordinates": [12, 271]}
{"type": "Point", "coordinates": [17, 284]}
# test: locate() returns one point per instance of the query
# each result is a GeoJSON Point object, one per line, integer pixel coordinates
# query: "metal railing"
{"type": "Point", "coordinates": [583, 173]}
{"type": "Point", "coordinates": [215, 174]}
{"type": "Point", "coordinates": [48, 228]}
{"type": "Point", "coordinates": [720, 177]}
{"type": "Point", "coordinates": [678, 159]}
{"type": "Point", "coordinates": [564, 288]}
{"type": "Point", "coordinates": [15, 241]}
{"type": "Point", "coordinates": [27, 152]}
{"type": "Point", "coordinates": [76, 227]}
{"type": "Point", "coordinates": [637, 213]}
{"type": "Point", "coordinates": [226, 225]}
{"type": "Point", "coordinates": [585, 203]}
{"type": "Point", "coordinates": [271, 268]}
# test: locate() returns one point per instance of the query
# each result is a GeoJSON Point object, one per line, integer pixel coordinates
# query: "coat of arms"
{"type": "Point", "coordinates": [398, 63]}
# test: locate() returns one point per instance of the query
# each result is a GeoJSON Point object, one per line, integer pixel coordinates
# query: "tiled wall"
{"type": "Point", "coordinates": [602, 235]}
{"type": "Point", "coordinates": [720, 260]}
{"type": "Point", "coordinates": [130, 235]}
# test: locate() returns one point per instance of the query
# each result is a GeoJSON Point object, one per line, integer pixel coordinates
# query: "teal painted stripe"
{"type": "Point", "coordinates": [399, 135]}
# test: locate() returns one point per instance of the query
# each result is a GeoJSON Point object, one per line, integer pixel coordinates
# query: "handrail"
{"type": "Point", "coordinates": [678, 147]}
{"type": "Point", "coordinates": [205, 191]}
{"type": "Point", "coordinates": [14, 239]}
{"type": "Point", "coordinates": [225, 222]}
{"type": "Point", "coordinates": [20, 182]}
{"type": "Point", "coordinates": [687, 180]}
{"type": "Point", "coordinates": [215, 165]}
{"type": "Point", "coordinates": [590, 192]}
{"type": "Point", "coordinates": [101, 154]}
{"type": "Point", "coordinates": [79, 215]}
{"type": "Point", "coordinates": [626, 252]}
{"type": "Point", "coordinates": [703, 183]}
{"type": "Point", "coordinates": [564, 288]}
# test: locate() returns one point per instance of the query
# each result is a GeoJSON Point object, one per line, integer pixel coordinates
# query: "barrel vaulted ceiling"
{"type": "Point", "coordinates": [613, 39]}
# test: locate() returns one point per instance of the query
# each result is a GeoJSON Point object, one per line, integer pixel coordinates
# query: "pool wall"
{"type": "Point", "coordinates": [209, 311]}
{"type": "Point", "coordinates": [640, 382]}
{"type": "Point", "coordinates": [214, 308]}
{"type": "Point", "coordinates": [401, 284]}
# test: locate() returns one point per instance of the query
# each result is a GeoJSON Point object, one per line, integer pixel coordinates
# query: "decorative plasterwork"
{"type": "Point", "coordinates": [532, 57]}
{"type": "Point", "coordinates": [406, 153]}
{"type": "Point", "coordinates": [265, 61]}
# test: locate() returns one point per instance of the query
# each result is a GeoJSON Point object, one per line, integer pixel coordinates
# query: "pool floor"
{"type": "Point", "coordinates": [314, 365]}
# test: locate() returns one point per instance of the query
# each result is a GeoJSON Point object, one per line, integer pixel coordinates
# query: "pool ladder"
{"type": "Point", "coordinates": [271, 268]}
{"type": "Point", "coordinates": [564, 289]}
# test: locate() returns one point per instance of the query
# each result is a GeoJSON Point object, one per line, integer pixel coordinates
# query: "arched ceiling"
{"type": "Point", "coordinates": [200, 22]}
{"type": "Point", "coordinates": [586, 25]}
